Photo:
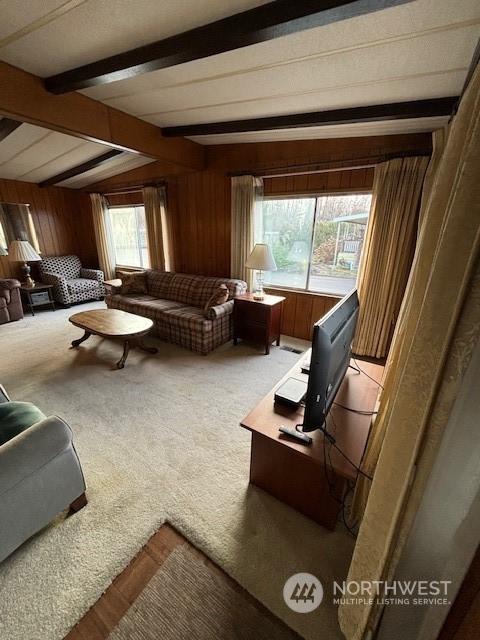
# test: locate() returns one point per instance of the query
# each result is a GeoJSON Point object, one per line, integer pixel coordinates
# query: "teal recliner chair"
{"type": "Point", "coordinates": [40, 473]}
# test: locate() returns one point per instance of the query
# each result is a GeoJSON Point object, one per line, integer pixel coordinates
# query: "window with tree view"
{"type": "Point", "coordinates": [316, 242]}
{"type": "Point", "coordinates": [129, 236]}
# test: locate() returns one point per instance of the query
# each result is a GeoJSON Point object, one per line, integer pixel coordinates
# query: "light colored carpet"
{"type": "Point", "coordinates": [186, 599]}
{"type": "Point", "coordinates": [158, 440]}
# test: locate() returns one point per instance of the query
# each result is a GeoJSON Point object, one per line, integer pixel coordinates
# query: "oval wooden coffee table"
{"type": "Point", "coordinates": [116, 324]}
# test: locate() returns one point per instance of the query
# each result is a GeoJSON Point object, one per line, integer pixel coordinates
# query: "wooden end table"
{"type": "Point", "coordinates": [114, 323]}
{"type": "Point", "coordinates": [31, 300]}
{"type": "Point", "coordinates": [257, 320]}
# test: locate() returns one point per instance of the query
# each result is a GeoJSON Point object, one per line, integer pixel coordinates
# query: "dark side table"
{"type": "Point", "coordinates": [38, 296]}
{"type": "Point", "coordinates": [257, 320]}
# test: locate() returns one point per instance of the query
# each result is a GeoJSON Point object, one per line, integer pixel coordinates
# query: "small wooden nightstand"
{"type": "Point", "coordinates": [257, 320]}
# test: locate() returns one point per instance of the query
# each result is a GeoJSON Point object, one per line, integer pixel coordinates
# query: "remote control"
{"type": "Point", "coordinates": [298, 435]}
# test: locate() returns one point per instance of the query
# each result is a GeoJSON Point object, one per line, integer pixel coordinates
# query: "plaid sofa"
{"type": "Point", "coordinates": [175, 302]}
{"type": "Point", "coordinates": [71, 282]}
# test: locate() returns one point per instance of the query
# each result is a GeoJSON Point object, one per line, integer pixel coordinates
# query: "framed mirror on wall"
{"type": "Point", "coordinates": [16, 223]}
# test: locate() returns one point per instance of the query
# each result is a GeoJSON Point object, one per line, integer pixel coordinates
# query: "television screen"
{"type": "Point", "coordinates": [331, 352]}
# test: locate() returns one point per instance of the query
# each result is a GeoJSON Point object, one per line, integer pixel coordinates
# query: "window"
{"type": "Point", "coordinates": [316, 242]}
{"type": "Point", "coordinates": [129, 236]}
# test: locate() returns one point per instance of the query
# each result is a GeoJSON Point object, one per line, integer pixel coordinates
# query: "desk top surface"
{"type": "Point", "coordinates": [350, 429]}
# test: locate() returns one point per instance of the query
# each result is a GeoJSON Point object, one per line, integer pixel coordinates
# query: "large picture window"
{"type": "Point", "coordinates": [129, 236]}
{"type": "Point", "coordinates": [316, 241]}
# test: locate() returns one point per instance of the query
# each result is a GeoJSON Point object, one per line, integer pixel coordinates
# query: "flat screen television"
{"type": "Point", "coordinates": [331, 353]}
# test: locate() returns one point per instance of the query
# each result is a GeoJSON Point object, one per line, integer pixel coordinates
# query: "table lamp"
{"type": "Point", "coordinates": [22, 251]}
{"type": "Point", "coordinates": [261, 259]}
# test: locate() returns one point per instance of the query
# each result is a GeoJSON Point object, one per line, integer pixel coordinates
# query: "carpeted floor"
{"type": "Point", "coordinates": [158, 440]}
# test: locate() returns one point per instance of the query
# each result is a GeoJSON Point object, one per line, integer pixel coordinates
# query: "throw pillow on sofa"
{"type": "Point", "coordinates": [133, 282]}
{"type": "Point", "coordinates": [218, 297]}
{"type": "Point", "coordinates": [16, 417]}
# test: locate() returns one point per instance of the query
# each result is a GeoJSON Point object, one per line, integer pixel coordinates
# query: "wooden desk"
{"type": "Point", "coordinates": [295, 473]}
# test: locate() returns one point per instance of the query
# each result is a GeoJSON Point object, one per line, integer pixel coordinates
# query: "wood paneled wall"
{"type": "Point", "coordinates": [199, 205]}
{"type": "Point", "coordinates": [317, 183]}
{"type": "Point", "coordinates": [62, 220]}
{"type": "Point", "coordinates": [301, 310]}
{"type": "Point", "coordinates": [199, 202]}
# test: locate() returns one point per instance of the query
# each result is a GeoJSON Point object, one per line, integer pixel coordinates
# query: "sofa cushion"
{"type": "Point", "coordinates": [189, 318]}
{"type": "Point", "coordinates": [16, 417]}
{"type": "Point", "coordinates": [158, 283]}
{"type": "Point", "coordinates": [143, 305]}
{"type": "Point", "coordinates": [186, 288]}
{"type": "Point", "coordinates": [77, 285]}
{"type": "Point", "coordinates": [3, 298]}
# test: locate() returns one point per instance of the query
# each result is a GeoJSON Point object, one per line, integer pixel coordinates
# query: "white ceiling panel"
{"type": "Point", "coordinates": [34, 154]}
{"type": "Point", "coordinates": [412, 21]}
{"type": "Point", "coordinates": [391, 127]}
{"type": "Point", "coordinates": [22, 138]}
{"type": "Point", "coordinates": [426, 68]}
{"type": "Point", "coordinates": [121, 163]}
{"type": "Point", "coordinates": [94, 29]}
{"type": "Point", "coordinates": [355, 94]}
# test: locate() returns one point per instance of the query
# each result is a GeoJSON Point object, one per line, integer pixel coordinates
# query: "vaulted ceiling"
{"type": "Point", "coordinates": [419, 49]}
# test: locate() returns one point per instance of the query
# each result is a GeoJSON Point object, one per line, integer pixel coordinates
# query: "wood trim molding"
{"type": "Point", "coordinates": [25, 98]}
{"type": "Point", "coordinates": [266, 22]}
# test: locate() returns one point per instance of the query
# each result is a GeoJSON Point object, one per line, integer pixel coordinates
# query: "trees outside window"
{"type": "Point", "coordinates": [316, 241]}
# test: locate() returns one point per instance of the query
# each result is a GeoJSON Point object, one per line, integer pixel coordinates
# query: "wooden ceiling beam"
{"type": "Point", "coordinates": [266, 22]}
{"type": "Point", "coordinates": [8, 126]}
{"type": "Point", "coordinates": [93, 163]}
{"type": "Point", "coordinates": [24, 97]}
{"type": "Point", "coordinates": [140, 175]}
{"type": "Point", "coordinates": [354, 115]}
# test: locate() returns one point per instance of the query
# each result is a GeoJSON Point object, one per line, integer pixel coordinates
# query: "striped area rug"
{"type": "Point", "coordinates": [187, 598]}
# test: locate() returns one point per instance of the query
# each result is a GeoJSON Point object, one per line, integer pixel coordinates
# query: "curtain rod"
{"type": "Point", "coordinates": [134, 189]}
{"type": "Point", "coordinates": [327, 167]}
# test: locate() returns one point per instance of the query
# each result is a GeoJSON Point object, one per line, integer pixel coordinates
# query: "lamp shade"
{"type": "Point", "coordinates": [261, 258]}
{"type": "Point", "coordinates": [22, 251]}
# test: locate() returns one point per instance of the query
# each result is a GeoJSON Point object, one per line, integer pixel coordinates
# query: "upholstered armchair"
{"type": "Point", "coordinates": [40, 476]}
{"type": "Point", "coordinates": [10, 301]}
{"type": "Point", "coordinates": [71, 282]}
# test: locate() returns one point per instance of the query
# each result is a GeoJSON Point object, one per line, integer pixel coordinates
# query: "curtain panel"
{"type": "Point", "coordinates": [103, 235]}
{"type": "Point", "coordinates": [388, 252]}
{"type": "Point", "coordinates": [439, 328]}
{"type": "Point", "coordinates": [247, 196]}
{"type": "Point", "coordinates": [377, 432]}
{"type": "Point", "coordinates": [158, 228]}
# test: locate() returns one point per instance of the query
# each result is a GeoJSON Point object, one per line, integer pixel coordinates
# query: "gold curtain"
{"type": "Point", "coordinates": [438, 330]}
{"type": "Point", "coordinates": [158, 228]}
{"type": "Point", "coordinates": [247, 194]}
{"type": "Point", "coordinates": [377, 432]}
{"type": "Point", "coordinates": [387, 252]}
{"type": "Point", "coordinates": [103, 235]}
